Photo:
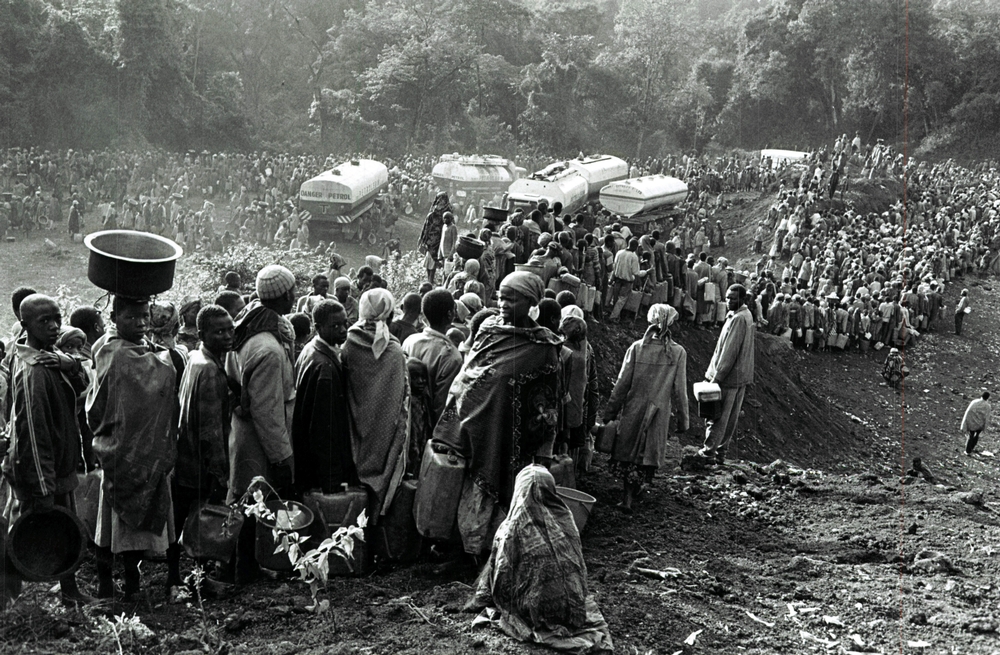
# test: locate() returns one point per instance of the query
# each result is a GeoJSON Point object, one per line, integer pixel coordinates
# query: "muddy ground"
{"type": "Point", "coordinates": [833, 550]}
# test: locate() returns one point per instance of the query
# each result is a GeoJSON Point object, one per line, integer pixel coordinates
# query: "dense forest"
{"type": "Point", "coordinates": [514, 77]}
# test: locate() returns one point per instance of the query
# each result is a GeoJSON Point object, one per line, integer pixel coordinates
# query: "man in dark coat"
{"type": "Point", "coordinates": [202, 471]}
{"type": "Point", "coordinates": [321, 437]}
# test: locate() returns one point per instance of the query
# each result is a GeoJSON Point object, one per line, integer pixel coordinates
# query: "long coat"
{"type": "Point", "coordinates": [321, 431]}
{"type": "Point", "coordinates": [262, 421]}
{"type": "Point", "coordinates": [653, 377]}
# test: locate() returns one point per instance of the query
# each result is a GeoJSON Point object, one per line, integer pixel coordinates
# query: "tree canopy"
{"type": "Point", "coordinates": [633, 77]}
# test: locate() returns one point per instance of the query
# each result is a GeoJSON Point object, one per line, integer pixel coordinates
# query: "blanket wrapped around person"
{"type": "Point", "coordinates": [378, 395]}
{"type": "Point", "coordinates": [132, 409]}
{"type": "Point", "coordinates": [501, 409]}
{"type": "Point", "coordinates": [534, 585]}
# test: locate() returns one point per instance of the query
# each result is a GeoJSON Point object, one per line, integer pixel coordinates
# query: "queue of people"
{"type": "Point", "coordinates": [489, 360]}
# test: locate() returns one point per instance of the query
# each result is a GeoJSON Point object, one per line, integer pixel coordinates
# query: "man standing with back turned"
{"type": "Point", "coordinates": [732, 368]}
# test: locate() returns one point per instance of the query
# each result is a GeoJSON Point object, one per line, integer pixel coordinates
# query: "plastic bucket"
{"type": "Point", "coordinates": [289, 516]}
{"type": "Point", "coordinates": [579, 505]}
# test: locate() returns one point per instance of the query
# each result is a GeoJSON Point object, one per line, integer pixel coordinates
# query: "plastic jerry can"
{"type": "Point", "coordinates": [336, 510]}
{"type": "Point", "coordinates": [709, 397]}
{"type": "Point", "coordinates": [563, 470]}
{"type": "Point", "coordinates": [435, 508]}
{"type": "Point", "coordinates": [586, 455]}
{"type": "Point", "coordinates": [395, 537]}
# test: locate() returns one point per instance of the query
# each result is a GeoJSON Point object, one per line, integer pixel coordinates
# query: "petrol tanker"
{"type": "Point", "coordinates": [470, 178]}
{"type": "Point", "coordinates": [599, 171]}
{"type": "Point", "coordinates": [572, 183]}
{"type": "Point", "coordinates": [643, 194]}
{"type": "Point", "coordinates": [340, 199]}
{"type": "Point", "coordinates": [781, 157]}
{"type": "Point", "coordinates": [646, 203]}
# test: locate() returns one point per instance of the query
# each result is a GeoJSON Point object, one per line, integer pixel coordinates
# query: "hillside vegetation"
{"type": "Point", "coordinates": [516, 77]}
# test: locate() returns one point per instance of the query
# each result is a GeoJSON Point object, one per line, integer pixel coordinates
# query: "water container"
{"type": "Point", "coordinates": [334, 511]}
{"type": "Point", "coordinates": [87, 495]}
{"type": "Point", "coordinates": [442, 472]}
{"type": "Point", "coordinates": [579, 504]}
{"type": "Point", "coordinates": [564, 471]}
{"type": "Point", "coordinates": [395, 537]}
{"type": "Point", "coordinates": [288, 515]}
{"type": "Point", "coordinates": [586, 455]}
{"type": "Point", "coordinates": [709, 397]}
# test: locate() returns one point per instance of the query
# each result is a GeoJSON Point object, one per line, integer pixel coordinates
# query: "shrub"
{"type": "Point", "coordinates": [200, 274]}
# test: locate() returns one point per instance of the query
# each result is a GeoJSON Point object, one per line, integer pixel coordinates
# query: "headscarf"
{"type": "Point", "coordinates": [472, 302]}
{"type": "Point", "coordinates": [527, 284]}
{"type": "Point", "coordinates": [472, 267]}
{"type": "Point", "coordinates": [572, 310]}
{"type": "Point", "coordinates": [376, 306]}
{"type": "Point", "coordinates": [341, 283]}
{"type": "Point", "coordinates": [66, 333]}
{"type": "Point", "coordinates": [441, 203]}
{"type": "Point", "coordinates": [661, 316]}
{"type": "Point", "coordinates": [163, 319]}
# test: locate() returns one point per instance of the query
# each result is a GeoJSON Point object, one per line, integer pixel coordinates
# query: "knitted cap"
{"type": "Point", "coordinates": [274, 281]}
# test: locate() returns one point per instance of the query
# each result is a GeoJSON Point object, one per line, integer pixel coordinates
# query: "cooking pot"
{"type": "Point", "coordinates": [47, 545]}
{"type": "Point", "coordinates": [469, 247]}
{"type": "Point", "coordinates": [131, 264]}
{"type": "Point", "coordinates": [494, 214]}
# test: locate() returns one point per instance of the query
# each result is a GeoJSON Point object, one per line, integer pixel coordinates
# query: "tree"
{"type": "Point", "coordinates": [650, 56]}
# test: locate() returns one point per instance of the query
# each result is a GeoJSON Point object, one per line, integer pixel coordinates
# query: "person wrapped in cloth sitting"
{"type": "Point", "coordinates": [534, 585]}
{"type": "Point", "coordinates": [502, 407]}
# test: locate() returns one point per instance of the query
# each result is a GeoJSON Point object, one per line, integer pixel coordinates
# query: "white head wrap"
{"type": "Point", "coordinates": [572, 310]}
{"type": "Point", "coordinates": [377, 305]}
{"type": "Point", "coordinates": [662, 316]}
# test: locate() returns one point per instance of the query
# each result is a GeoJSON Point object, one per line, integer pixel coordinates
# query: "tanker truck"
{"type": "Point", "coordinates": [474, 178]}
{"type": "Point", "coordinates": [573, 182]}
{"type": "Point", "coordinates": [646, 203]}
{"type": "Point", "coordinates": [781, 157]}
{"type": "Point", "coordinates": [342, 201]}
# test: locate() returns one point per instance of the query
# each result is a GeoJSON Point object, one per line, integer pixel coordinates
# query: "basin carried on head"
{"type": "Point", "coordinates": [131, 264]}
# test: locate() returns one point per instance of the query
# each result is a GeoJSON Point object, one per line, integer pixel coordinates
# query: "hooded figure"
{"type": "Point", "coordinates": [534, 585]}
{"type": "Point", "coordinates": [651, 385]}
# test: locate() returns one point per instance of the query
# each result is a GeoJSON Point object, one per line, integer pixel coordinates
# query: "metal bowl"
{"type": "Point", "coordinates": [131, 264]}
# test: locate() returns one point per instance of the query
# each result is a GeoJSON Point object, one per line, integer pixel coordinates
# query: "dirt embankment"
{"type": "Point", "coordinates": [784, 417]}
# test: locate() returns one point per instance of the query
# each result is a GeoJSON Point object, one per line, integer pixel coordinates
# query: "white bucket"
{"type": "Point", "coordinates": [579, 505]}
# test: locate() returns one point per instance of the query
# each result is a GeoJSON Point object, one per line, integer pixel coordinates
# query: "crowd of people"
{"type": "Point", "coordinates": [180, 195]}
{"type": "Point", "coordinates": [836, 278]}
{"type": "Point", "coordinates": [488, 360]}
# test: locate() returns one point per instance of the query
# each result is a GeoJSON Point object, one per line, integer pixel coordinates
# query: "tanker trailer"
{"type": "Point", "coordinates": [340, 200]}
{"type": "Point", "coordinates": [645, 202]}
{"type": "Point", "coordinates": [556, 182]}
